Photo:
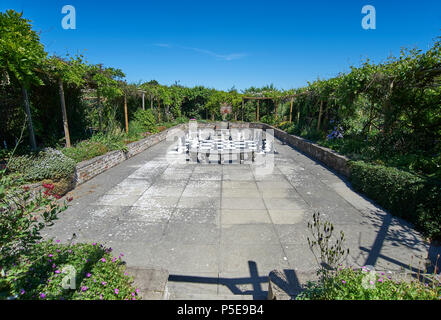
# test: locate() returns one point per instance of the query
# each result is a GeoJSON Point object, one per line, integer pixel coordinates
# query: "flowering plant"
{"type": "Point", "coordinates": [23, 215]}
{"type": "Point", "coordinates": [90, 270]}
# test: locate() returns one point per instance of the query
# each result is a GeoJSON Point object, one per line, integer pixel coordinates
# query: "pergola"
{"type": "Point", "coordinates": [258, 99]}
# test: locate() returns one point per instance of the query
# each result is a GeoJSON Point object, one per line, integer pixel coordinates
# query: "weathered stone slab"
{"type": "Point", "coordinates": [152, 283]}
{"type": "Point", "coordinates": [287, 284]}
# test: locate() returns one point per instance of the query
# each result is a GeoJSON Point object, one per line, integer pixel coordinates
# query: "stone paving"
{"type": "Point", "coordinates": [220, 229]}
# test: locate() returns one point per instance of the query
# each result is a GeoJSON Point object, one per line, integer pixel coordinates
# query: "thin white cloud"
{"type": "Point", "coordinates": [225, 57]}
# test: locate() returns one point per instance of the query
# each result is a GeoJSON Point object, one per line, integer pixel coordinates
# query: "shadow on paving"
{"type": "Point", "coordinates": [254, 280]}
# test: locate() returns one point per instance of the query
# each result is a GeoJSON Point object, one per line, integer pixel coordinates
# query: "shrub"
{"type": "Point", "coordinates": [113, 139]}
{"type": "Point", "coordinates": [404, 194]}
{"type": "Point", "coordinates": [23, 215]}
{"type": "Point", "coordinates": [358, 284]}
{"type": "Point", "coordinates": [43, 274]}
{"type": "Point", "coordinates": [85, 150]}
{"type": "Point", "coordinates": [146, 119]}
{"type": "Point", "coordinates": [48, 164]}
{"type": "Point", "coordinates": [327, 249]}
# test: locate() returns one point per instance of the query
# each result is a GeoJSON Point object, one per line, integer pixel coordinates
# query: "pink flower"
{"type": "Point", "coordinates": [104, 283]}
{"type": "Point", "coordinates": [116, 291]}
{"type": "Point", "coordinates": [57, 271]}
{"type": "Point", "coordinates": [42, 295]}
{"type": "Point", "coordinates": [344, 282]}
{"type": "Point", "coordinates": [103, 259]}
{"type": "Point", "coordinates": [84, 288]}
{"type": "Point", "coordinates": [88, 275]}
{"type": "Point", "coordinates": [101, 297]}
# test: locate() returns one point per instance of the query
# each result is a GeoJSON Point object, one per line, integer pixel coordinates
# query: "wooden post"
{"type": "Point", "coordinates": [290, 110]}
{"type": "Point", "coordinates": [320, 115]}
{"type": "Point", "coordinates": [143, 101]}
{"type": "Point", "coordinates": [125, 113]}
{"type": "Point", "coordinates": [257, 110]}
{"type": "Point", "coordinates": [99, 109]}
{"type": "Point", "coordinates": [64, 113]}
{"type": "Point", "coordinates": [159, 110]}
{"type": "Point", "coordinates": [28, 113]}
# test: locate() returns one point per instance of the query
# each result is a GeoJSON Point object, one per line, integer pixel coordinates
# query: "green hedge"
{"type": "Point", "coordinates": [403, 194]}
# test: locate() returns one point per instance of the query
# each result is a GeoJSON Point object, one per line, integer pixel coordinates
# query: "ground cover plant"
{"type": "Point", "coordinates": [55, 271]}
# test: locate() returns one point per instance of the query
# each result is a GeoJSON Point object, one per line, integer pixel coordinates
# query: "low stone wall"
{"type": "Point", "coordinates": [88, 169]}
{"type": "Point", "coordinates": [327, 156]}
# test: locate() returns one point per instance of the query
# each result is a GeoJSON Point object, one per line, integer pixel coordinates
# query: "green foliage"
{"type": "Point", "coordinates": [20, 49]}
{"type": "Point", "coordinates": [85, 150]}
{"type": "Point", "coordinates": [404, 194]}
{"type": "Point", "coordinates": [146, 120]}
{"type": "Point", "coordinates": [47, 164]}
{"type": "Point", "coordinates": [23, 215]}
{"type": "Point", "coordinates": [40, 272]}
{"type": "Point", "coordinates": [354, 284]}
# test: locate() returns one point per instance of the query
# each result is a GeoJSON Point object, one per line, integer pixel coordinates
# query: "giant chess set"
{"type": "Point", "coordinates": [225, 145]}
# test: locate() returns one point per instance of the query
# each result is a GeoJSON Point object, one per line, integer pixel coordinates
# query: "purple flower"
{"type": "Point", "coordinates": [57, 271]}
{"type": "Point", "coordinates": [114, 259]}
{"type": "Point", "coordinates": [58, 241]}
{"type": "Point", "coordinates": [103, 259]}
{"type": "Point", "coordinates": [104, 283]}
{"type": "Point", "coordinates": [116, 291]}
{"type": "Point", "coordinates": [50, 255]}
{"type": "Point", "coordinates": [84, 288]}
{"type": "Point", "coordinates": [88, 275]}
{"type": "Point", "coordinates": [22, 291]}
{"type": "Point", "coordinates": [343, 281]}
{"type": "Point", "coordinates": [42, 295]}
{"type": "Point", "coordinates": [94, 244]}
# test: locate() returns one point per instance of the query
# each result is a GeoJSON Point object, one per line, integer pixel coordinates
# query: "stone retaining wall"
{"type": "Point", "coordinates": [88, 169]}
{"type": "Point", "coordinates": [327, 156]}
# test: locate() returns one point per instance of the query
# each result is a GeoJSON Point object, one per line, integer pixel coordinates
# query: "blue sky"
{"type": "Point", "coordinates": [226, 43]}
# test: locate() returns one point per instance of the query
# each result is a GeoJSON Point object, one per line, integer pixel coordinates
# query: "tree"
{"type": "Point", "coordinates": [21, 55]}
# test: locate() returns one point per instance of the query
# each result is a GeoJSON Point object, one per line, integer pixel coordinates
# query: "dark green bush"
{"type": "Point", "coordinates": [146, 119]}
{"type": "Point", "coordinates": [406, 195]}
